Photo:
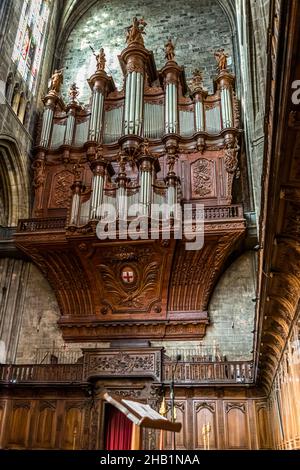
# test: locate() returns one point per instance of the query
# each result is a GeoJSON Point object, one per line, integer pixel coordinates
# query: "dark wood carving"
{"type": "Point", "coordinates": [118, 363]}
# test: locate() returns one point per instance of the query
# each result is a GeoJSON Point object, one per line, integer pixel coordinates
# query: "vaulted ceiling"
{"type": "Point", "coordinates": [279, 259]}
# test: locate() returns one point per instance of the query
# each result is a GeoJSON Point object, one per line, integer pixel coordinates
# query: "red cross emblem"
{"type": "Point", "coordinates": [127, 275]}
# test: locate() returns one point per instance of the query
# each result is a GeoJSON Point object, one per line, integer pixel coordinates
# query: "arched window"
{"type": "Point", "coordinates": [22, 107]}
{"type": "Point", "coordinates": [30, 40]}
{"type": "Point", "coordinates": [8, 86]}
{"type": "Point", "coordinates": [16, 98]}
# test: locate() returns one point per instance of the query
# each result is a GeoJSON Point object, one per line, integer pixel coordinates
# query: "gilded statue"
{"type": "Point", "coordinates": [101, 60]}
{"type": "Point", "coordinates": [169, 50]}
{"type": "Point", "coordinates": [221, 58]}
{"type": "Point", "coordinates": [56, 81]}
{"type": "Point", "coordinates": [135, 31]}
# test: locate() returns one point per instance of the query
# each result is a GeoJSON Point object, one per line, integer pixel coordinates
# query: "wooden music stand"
{"type": "Point", "coordinates": [142, 416]}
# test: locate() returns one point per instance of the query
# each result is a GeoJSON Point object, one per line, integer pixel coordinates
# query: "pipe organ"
{"type": "Point", "coordinates": [143, 155]}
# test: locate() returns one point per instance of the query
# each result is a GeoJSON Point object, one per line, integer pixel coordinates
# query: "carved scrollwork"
{"type": "Point", "coordinates": [231, 157]}
{"type": "Point", "coordinates": [147, 283]}
{"type": "Point", "coordinates": [202, 177]}
{"type": "Point", "coordinates": [205, 405]}
{"type": "Point", "coordinates": [237, 406]}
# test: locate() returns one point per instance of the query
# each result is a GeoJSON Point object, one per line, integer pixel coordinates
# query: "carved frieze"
{"type": "Point", "coordinates": [123, 363]}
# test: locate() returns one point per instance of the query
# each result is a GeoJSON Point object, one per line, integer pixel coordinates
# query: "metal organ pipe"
{"type": "Point", "coordinates": [226, 106]}
{"type": "Point", "coordinates": [70, 127]}
{"type": "Point", "coordinates": [98, 190]}
{"type": "Point", "coordinates": [46, 127]}
{"type": "Point", "coordinates": [199, 112]}
{"type": "Point", "coordinates": [96, 115]}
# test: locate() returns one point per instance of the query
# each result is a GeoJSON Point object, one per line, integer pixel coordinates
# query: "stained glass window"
{"type": "Point", "coordinates": [30, 39]}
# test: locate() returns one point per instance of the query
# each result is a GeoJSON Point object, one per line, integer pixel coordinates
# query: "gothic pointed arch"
{"type": "Point", "coordinates": [13, 181]}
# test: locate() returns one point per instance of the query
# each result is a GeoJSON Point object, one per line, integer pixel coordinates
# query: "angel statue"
{"type": "Point", "coordinates": [135, 31]}
{"type": "Point", "coordinates": [221, 58]}
{"type": "Point", "coordinates": [56, 80]}
{"type": "Point", "coordinates": [169, 50]}
{"type": "Point", "coordinates": [100, 59]}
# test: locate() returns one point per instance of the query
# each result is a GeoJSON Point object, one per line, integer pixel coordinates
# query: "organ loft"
{"type": "Point", "coordinates": [156, 143]}
{"type": "Point", "coordinates": [142, 262]}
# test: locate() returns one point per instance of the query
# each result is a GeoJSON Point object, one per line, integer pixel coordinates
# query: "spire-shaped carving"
{"type": "Point", "coordinates": [196, 82]}
{"type": "Point", "coordinates": [73, 92]}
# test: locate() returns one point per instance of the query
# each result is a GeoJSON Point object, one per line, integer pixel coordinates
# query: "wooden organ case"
{"type": "Point", "coordinates": [156, 141]}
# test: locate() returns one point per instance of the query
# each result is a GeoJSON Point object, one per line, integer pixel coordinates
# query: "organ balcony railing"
{"type": "Point", "coordinates": [187, 372]}
{"type": "Point", "coordinates": [221, 213]}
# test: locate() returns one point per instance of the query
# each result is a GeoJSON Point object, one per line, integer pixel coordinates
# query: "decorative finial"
{"type": "Point", "coordinates": [77, 171]}
{"type": "Point", "coordinates": [135, 31]}
{"type": "Point", "coordinates": [122, 159]}
{"type": "Point", "coordinates": [73, 92]}
{"type": "Point", "coordinates": [169, 50]}
{"type": "Point", "coordinates": [196, 82]}
{"type": "Point", "coordinates": [56, 80]}
{"type": "Point", "coordinates": [99, 152]}
{"type": "Point", "coordinates": [221, 58]}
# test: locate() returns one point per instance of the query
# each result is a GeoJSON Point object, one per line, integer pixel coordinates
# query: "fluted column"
{"type": "Point", "coordinates": [172, 74]}
{"type": "Point", "coordinates": [134, 94]}
{"type": "Point", "coordinates": [145, 196]}
{"type": "Point", "coordinates": [77, 189]}
{"type": "Point", "coordinates": [122, 181]}
{"type": "Point", "coordinates": [50, 101]}
{"type": "Point", "coordinates": [99, 168]}
{"type": "Point", "coordinates": [225, 82]}
{"type": "Point", "coordinates": [101, 84]}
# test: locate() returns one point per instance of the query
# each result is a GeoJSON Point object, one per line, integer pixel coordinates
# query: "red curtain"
{"type": "Point", "coordinates": [118, 430]}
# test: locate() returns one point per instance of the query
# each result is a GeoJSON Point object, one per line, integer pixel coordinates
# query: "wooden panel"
{"type": "Point", "coordinates": [18, 428]}
{"type": "Point", "coordinates": [73, 421]}
{"type": "Point", "coordinates": [181, 437]}
{"type": "Point", "coordinates": [45, 419]}
{"type": "Point", "coordinates": [204, 413]}
{"type": "Point", "coordinates": [237, 428]}
{"type": "Point", "coordinates": [262, 426]}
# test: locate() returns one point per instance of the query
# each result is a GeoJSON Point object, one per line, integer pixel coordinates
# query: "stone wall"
{"type": "Point", "coordinates": [231, 312]}
{"type": "Point", "coordinates": [11, 128]}
{"type": "Point", "coordinates": [197, 27]}
{"type": "Point", "coordinates": [252, 28]}
{"type": "Point", "coordinates": [31, 313]}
